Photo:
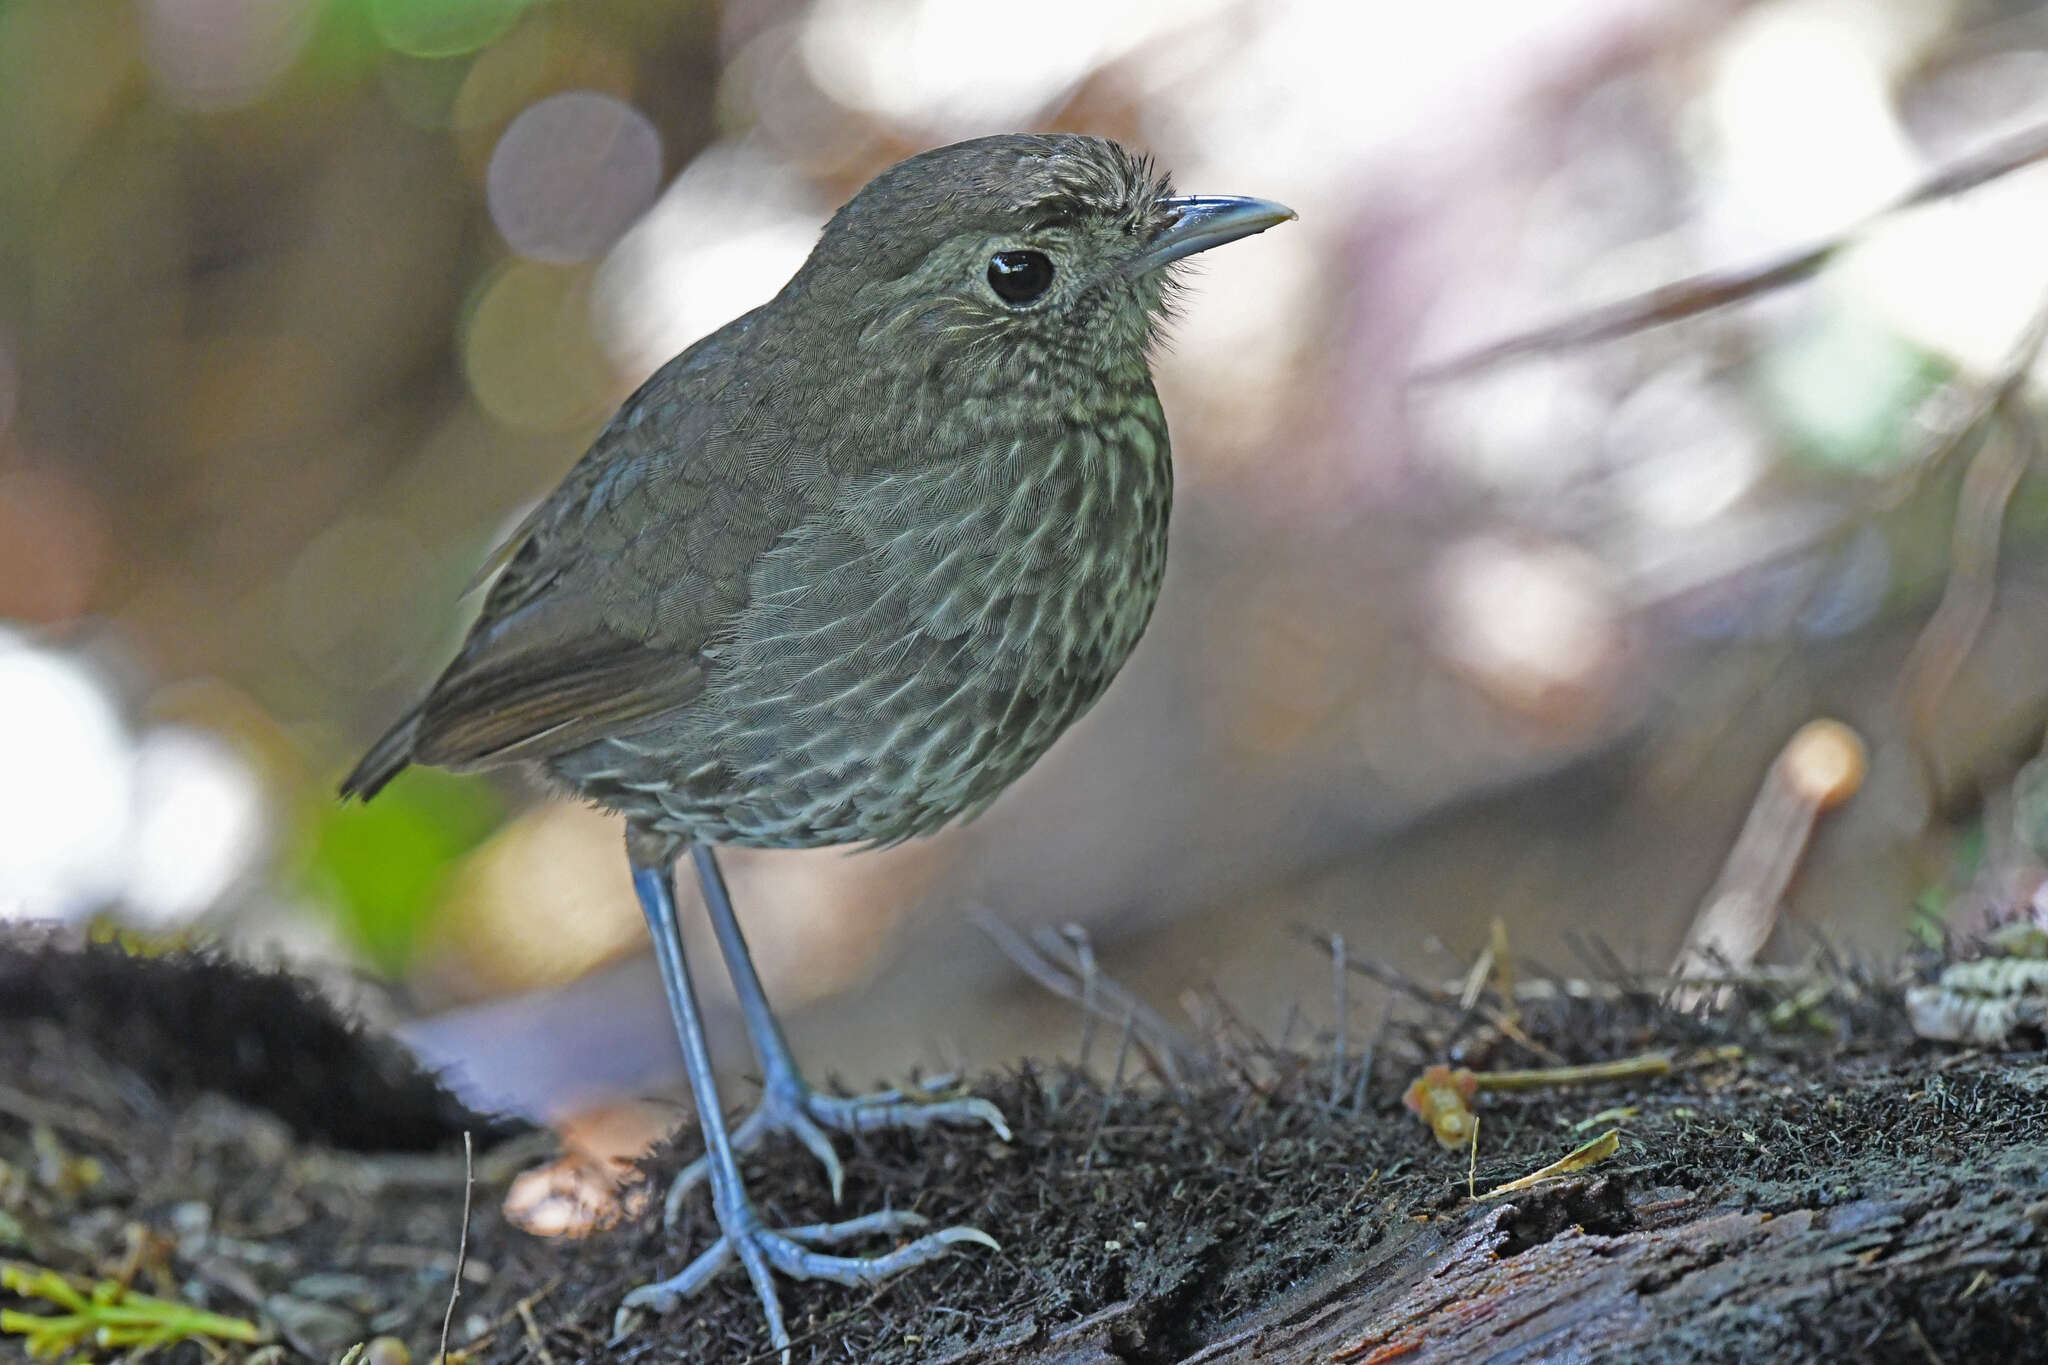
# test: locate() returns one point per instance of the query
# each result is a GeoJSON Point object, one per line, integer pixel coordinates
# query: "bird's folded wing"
{"type": "Point", "coordinates": [606, 596]}
{"type": "Point", "coordinates": [548, 668]}
{"type": "Point", "coordinates": [549, 697]}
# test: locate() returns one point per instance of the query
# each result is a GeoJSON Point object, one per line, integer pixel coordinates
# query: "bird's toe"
{"type": "Point", "coordinates": [787, 1251]}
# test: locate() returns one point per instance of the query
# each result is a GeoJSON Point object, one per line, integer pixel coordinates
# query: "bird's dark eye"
{"type": "Point", "coordinates": [1019, 276]}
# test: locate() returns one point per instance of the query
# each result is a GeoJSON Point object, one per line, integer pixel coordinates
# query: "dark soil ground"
{"type": "Point", "coordinates": [1808, 1183]}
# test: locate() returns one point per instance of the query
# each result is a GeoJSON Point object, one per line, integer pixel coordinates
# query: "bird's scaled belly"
{"type": "Point", "coordinates": [880, 684]}
{"type": "Point", "coordinates": [880, 743]}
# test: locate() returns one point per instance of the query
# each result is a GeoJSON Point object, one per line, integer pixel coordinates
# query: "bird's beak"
{"type": "Point", "coordinates": [1205, 220]}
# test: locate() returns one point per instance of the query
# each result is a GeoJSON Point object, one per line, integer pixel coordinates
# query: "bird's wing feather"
{"type": "Point", "coordinates": [611, 591]}
{"type": "Point", "coordinates": [539, 702]}
{"type": "Point", "coordinates": [506, 550]}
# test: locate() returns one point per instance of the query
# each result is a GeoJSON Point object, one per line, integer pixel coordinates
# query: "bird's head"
{"type": "Point", "coordinates": [1015, 251]}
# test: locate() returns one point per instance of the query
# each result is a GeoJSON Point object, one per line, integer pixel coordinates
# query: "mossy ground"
{"type": "Point", "coordinates": [1147, 1221]}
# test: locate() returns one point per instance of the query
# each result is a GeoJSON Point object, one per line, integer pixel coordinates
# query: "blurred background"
{"type": "Point", "coordinates": [304, 302]}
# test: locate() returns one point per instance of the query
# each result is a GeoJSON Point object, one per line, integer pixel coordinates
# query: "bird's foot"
{"type": "Point", "coordinates": [791, 1106]}
{"type": "Point", "coordinates": [764, 1251]}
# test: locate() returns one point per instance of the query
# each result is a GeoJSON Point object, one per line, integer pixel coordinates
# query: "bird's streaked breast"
{"type": "Point", "coordinates": [904, 657]}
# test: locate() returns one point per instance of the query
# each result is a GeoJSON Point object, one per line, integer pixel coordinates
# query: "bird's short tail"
{"type": "Point", "coordinates": [387, 758]}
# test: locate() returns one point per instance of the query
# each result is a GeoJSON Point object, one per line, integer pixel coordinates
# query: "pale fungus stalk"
{"type": "Point", "coordinates": [1820, 767]}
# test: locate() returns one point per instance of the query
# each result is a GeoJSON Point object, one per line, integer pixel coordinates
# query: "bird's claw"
{"type": "Point", "coordinates": [795, 1108]}
{"type": "Point", "coordinates": [763, 1250]}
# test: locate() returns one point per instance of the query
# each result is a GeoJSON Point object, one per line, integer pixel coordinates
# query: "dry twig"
{"type": "Point", "coordinates": [1075, 978]}
{"type": "Point", "coordinates": [461, 1244]}
{"type": "Point", "coordinates": [1719, 288]}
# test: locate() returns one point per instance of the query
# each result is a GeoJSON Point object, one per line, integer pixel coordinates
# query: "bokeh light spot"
{"type": "Point", "coordinates": [929, 61]}
{"type": "Point", "coordinates": [349, 602]}
{"type": "Point", "coordinates": [221, 54]}
{"type": "Point", "coordinates": [1536, 627]}
{"type": "Point", "coordinates": [64, 785]}
{"type": "Point", "coordinates": [441, 28]}
{"type": "Point", "coordinates": [727, 234]}
{"type": "Point", "coordinates": [54, 539]}
{"type": "Point", "coordinates": [1961, 277]}
{"type": "Point", "coordinates": [1847, 388]}
{"type": "Point", "coordinates": [532, 361]}
{"type": "Point", "coordinates": [1850, 586]}
{"type": "Point", "coordinates": [544, 55]}
{"type": "Point", "coordinates": [1528, 429]}
{"type": "Point", "coordinates": [1824, 593]}
{"type": "Point", "coordinates": [536, 905]}
{"type": "Point", "coordinates": [198, 823]}
{"type": "Point", "coordinates": [571, 174]}
{"type": "Point", "coordinates": [1684, 449]}
{"type": "Point", "coordinates": [1801, 111]}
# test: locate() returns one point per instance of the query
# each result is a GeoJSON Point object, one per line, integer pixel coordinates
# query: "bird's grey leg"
{"type": "Point", "coordinates": [788, 1103]}
{"type": "Point", "coordinates": [760, 1249]}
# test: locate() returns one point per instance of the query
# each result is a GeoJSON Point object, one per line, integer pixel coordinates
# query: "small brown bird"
{"type": "Point", "coordinates": [839, 573]}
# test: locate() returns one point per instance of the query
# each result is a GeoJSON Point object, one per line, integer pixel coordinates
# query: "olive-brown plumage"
{"type": "Point", "coordinates": [846, 567]}
{"type": "Point", "coordinates": [841, 572]}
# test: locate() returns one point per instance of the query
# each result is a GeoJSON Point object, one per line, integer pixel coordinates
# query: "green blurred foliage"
{"type": "Point", "coordinates": [343, 50]}
{"type": "Point", "coordinates": [1930, 920]}
{"type": "Point", "coordinates": [1844, 391]}
{"type": "Point", "coordinates": [381, 867]}
{"type": "Point", "coordinates": [440, 28]}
